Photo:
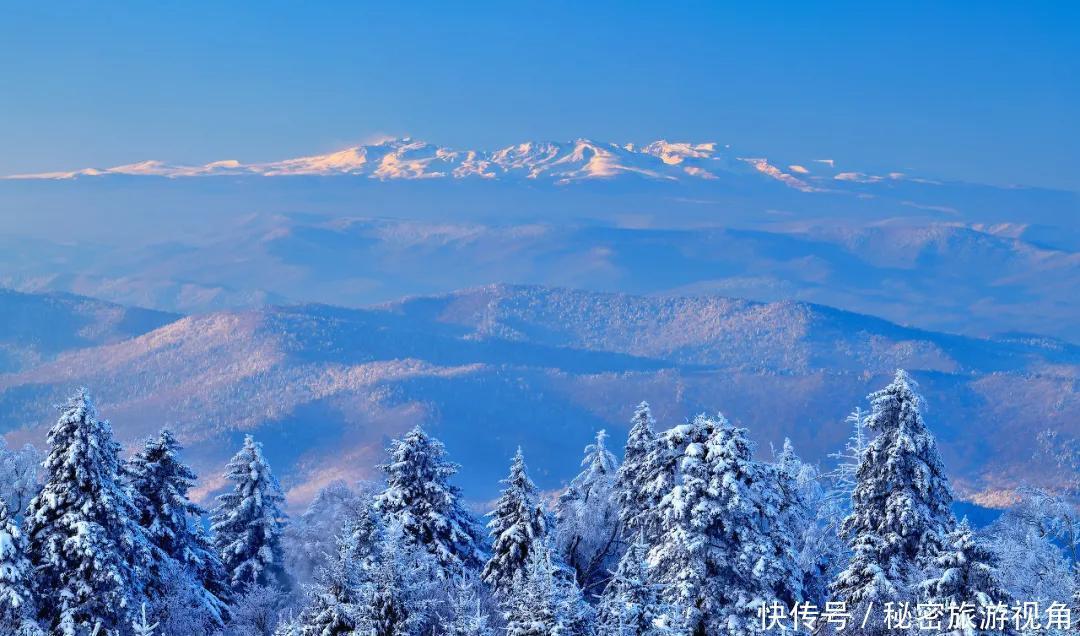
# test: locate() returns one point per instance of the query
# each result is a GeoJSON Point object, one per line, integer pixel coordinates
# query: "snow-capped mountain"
{"type": "Point", "coordinates": [558, 162]}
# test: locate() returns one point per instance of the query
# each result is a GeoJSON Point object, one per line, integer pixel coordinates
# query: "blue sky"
{"type": "Point", "coordinates": [982, 91]}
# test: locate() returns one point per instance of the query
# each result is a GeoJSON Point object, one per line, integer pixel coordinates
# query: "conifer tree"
{"type": "Point", "coordinates": [17, 608]}
{"type": "Point", "coordinates": [402, 579]}
{"type": "Point", "coordinates": [419, 497]}
{"type": "Point", "coordinates": [587, 519]}
{"type": "Point", "coordinates": [811, 518]}
{"type": "Point", "coordinates": [159, 482]}
{"type": "Point", "coordinates": [901, 502]}
{"type": "Point", "coordinates": [722, 552]}
{"type": "Point", "coordinates": [517, 525]}
{"type": "Point", "coordinates": [467, 614]}
{"type": "Point", "coordinates": [248, 522]}
{"type": "Point", "coordinates": [311, 540]}
{"type": "Point", "coordinates": [85, 543]}
{"type": "Point", "coordinates": [535, 607]}
{"type": "Point", "coordinates": [965, 571]}
{"type": "Point", "coordinates": [631, 491]}
{"type": "Point", "coordinates": [632, 604]}
{"type": "Point", "coordinates": [337, 592]}
{"type": "Point", "coordinates": [800, 530]}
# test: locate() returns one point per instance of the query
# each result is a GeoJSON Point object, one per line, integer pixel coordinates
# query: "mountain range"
{"type": "Point", "coordinates": [370, 223]}
{"type": "Point", "coordinates": [940, 276]}
{"type": "Point", "coordinates": [560, 162]}
{"type": "Point", "coordinates": [491, 368]}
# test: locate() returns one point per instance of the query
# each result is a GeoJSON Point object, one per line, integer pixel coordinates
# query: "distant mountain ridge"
{"type": "Point", "coordinates": [942, 277]}
{"type": "Point", "coordinates": [490, 368]}
{"type": "Point", "coordinates": [560, 162]}
{"type": "Point", "coordinates": [37, 327]}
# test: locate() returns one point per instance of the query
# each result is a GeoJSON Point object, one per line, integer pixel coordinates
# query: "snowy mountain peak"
{"type": "Point", "coordinates": [582, 159]}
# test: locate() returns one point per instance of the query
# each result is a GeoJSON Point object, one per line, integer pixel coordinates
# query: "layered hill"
{"type": "Point", "coordinates": [36, 327]}
{"type": "Point", "coordinates": [491, 368]}
{"type": "Point", "coordinates": [940, 276]}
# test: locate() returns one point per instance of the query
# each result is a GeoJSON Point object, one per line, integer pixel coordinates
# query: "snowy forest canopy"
{"type": "Point", "coordinates": [694, 533]}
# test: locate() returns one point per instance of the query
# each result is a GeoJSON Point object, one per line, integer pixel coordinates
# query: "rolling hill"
{"type": "Point", "coordinates": [945, 277]}
{"type": "Point", "coordinates": [490, 368]}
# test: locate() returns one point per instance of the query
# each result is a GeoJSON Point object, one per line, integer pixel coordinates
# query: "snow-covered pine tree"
{"type": "Point", "coordinates": [420, 498]}
{"type": "Point", "coordinates": [809, 520]}
{"type": "Point", "coordinates": [633, 497]}
{"type": "Point", "coordinates": [247, 524]}
{"type": "Point", "coordinates": [401, 591]}
{"type": "Point", "coordinates": [630, 491]}
{"type": "Point", "coordinates": [159, 483]}
{"type": "Point", "coordinates": [517, 525]}
{"type": "Point", "coordinates": [587, 525]}
{"type": "Point", "coordinates": [632, 604]}
{"type": "Point", "coordinates": [965, 571]}
{"type": "Point", "coordinates": [310, 541]}
{"type": "Point", "coordinates": [85, 543]}
{"type": "Point", "coordinates": [333, 609]}
{"type": "Point", "coordinates": [535, 607]}
{"type": "Point", "coordinates": [813, 517]}
{"type": "Point", "coordinates": [575, 612]}
{"type": "Point", "coordinates": [901, 503]}
{"type": "Point", "coordinates": [17, 608]}
{"type": "Point", "coordinates": [467, 614]}
{"type": "Point", "coordinates": [722, 553]}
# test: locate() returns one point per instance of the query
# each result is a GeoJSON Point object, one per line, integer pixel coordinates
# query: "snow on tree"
{"type": "Point", "coordinates": [181, 606]}
{"type": "Point", "coordinates": [632, 604]}
{"type": "Point", "coordinates": [631, 492]}
{"type": "Point", "coordinates": [85, 543]}
{"type": "Point", "coordinates": [1076, 596]}
{"type": "Point", "coordinates": [420, 498]}
{"type": "Point", "coordinates": [159, 483]}
{"type": "Point", "coordinates": [141, 626]}
{"type": "Point", "coordinates": [1036, 569]}
{"type": "Point", "coordinates": [401, 596]}
{"type": "Point", "coordinates": [587, 525]}
{"type": "Point", "coordinates": [341, 596]}
{"type": "Point", "coordinates": [1063, 503]}
{"type": "Point", "coordinates": [810, 519]}
{"type": "Point", "coordinates": [310, 540]}
{"type": "Point", "coordinates": [543, 605]}
{"type": "Point", "coordinates": [247, 524]}
{"type": "Point", "coordinates": [844, 476]}
{"type": "Point", "coordinates": [965, 571]}
{"type": "Point", "coordinates": [16, 576]}
{"type": "Point", "coordinates": [901, 502]}
{"type": "Point", "coordinates": [722, 552]}
{"type": "Point", "coordinates": [288, 627]}
{"type": "Point", "coordinates": [258, 611]}
{"type": "Point", "coordinates": [468, 616]}
{"type": "Point", "coordinates": [333, 609]}
{"type": "Point", "coordinates": [517, 525]}
{"type": "Point", "coordinates": [18, 476]}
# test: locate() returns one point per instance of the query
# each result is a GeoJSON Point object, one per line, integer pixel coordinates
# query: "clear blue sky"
{"type": "Point", "coordinates": [984, 91]}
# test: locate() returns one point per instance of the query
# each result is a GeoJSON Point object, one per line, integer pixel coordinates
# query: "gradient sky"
{"type": "Point", "coordinates": [981, 91]}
